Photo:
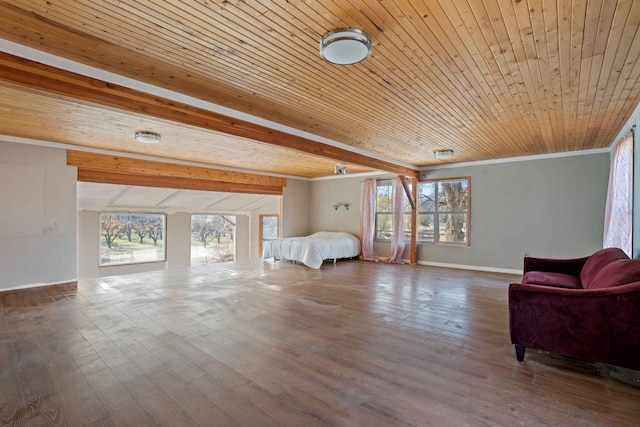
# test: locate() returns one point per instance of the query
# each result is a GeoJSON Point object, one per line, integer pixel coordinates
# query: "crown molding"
{"type": "Point", "coordinates": [518, 159]}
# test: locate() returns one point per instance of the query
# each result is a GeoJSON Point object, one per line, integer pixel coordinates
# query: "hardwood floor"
{"type": "Point", "coordinates": [256, 343]}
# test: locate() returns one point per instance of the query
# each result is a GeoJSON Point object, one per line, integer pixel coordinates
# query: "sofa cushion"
{"type": "Point", "coordinates": [617, 273]}
{"type": "Point", "coordinates": [597, 262]}
{"type": "Point", "coordinates": [558, 280]}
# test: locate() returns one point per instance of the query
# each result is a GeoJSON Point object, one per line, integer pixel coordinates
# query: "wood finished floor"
{"type": "Point", "coordinates": [256, 343]}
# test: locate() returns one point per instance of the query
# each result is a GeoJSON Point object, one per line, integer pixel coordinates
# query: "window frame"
{"type": "Point", "coordinates": [209, 216]}
{"type": "Point", "coordinates": [406, 213]}
{"type": "Point", "coordinates": [261, 229]}
{"type": "Point", "coordinates": [437, 212]}
{"type": "Point", "coordinates": [101, 214]}
{"type": "Point", "coordinates": [383, 183]}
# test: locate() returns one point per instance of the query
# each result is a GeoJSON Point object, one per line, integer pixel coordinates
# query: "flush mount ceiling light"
{"type": "Point", "coordinates": [341, 169]}
{"type": "Point", "coordinates": [443, 154]}
{"type": "Point", "coordinates": [345, 46]}
{"type": "Point", "coordinates": [147, 137]}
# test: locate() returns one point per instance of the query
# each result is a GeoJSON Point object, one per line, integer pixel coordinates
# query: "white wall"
{"type": "Point", "coordinates": [243, 234]}
{"type": "Point", "coordinates": [551, 207]}
{"type": "Point", "coordinates": [37, 216]}
{"type": "Point", "coordinates": [546, 207]}
{"type": "Point", "coordinates": [295, 208]}
{"type": "Point", "coordinates": [326, 193]}
{"type": "Point", "coordinates": [178, 243]}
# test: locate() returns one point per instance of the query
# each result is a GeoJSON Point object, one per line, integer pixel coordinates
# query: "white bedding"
{"type": "Point", "coordinates": [312, 250]}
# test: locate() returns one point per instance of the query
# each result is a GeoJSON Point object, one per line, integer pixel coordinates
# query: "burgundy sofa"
{"type": "Point", "coordinates": [586, 308]}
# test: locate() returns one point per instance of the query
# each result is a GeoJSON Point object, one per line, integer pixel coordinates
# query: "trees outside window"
{"type": "Point", "coordinates": [443, 211]}
{"type": "Point", "coordinates": [384, 212]}
{"type": "Point", "coordinates": [131, 238]}
{"type": "Point", "coordinates": [212, 238]}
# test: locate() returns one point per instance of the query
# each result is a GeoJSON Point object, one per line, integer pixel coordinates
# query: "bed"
{"type": "Point", "coordinates": [312, 250]}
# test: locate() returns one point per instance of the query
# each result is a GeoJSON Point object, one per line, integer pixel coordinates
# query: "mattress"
{"type": "Point", "coordinates": [312, 250]}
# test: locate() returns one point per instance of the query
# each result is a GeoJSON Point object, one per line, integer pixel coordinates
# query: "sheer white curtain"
{"type": "Point", "coordinates": [397, 240]}
{"type": "Point", "coordinates": [368, 219]}
{"type": "Point", "coordinates": [618, 211]}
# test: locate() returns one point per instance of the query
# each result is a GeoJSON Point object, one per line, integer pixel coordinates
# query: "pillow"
{"type": "Point", "coordinates": [617, 273]}
{"type": "Point", "coordinates": [597, 262]}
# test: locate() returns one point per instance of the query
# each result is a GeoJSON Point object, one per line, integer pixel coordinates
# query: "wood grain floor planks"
{"type": "Point", "coordinates": [255, 343]}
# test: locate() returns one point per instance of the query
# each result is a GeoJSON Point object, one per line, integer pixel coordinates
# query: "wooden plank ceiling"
{"type": "Point", "coordinates": [489, 79]}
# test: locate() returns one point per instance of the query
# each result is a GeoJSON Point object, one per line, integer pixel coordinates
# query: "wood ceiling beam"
{"type": "Point", "coordinates": [102, 177]}
{"type": "Point", "coordinates": [31, 74]}
{"type": "Point", "coordinates": [94, 167]}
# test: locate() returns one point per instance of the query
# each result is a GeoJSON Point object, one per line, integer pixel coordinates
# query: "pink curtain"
{"type": "Point", "coordinates": [397, 240]}
{"type": "Point", "coordinates": [618, 216]}
{"type": "Point", "coordinates": [368, 218]}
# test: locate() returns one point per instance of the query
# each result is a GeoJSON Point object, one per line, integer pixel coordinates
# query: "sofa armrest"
{"type": "Point", "coordinates": [565, 266]}
{"type": "Point", "coordinates": [600, 325]}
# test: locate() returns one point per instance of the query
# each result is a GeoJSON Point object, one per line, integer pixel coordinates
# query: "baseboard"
{"type": "Point", "coordinates": [460, 266]}
{"type": "Point", "coordinates": [37, 285]}
{"type": "Point", "coordinates": [471, 267]}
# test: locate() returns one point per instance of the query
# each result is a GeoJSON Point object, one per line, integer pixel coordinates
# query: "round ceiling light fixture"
{"type": "Point", "coordinates": [443, 154]}
{"type": "Point", "coordinates": [147, 137]}
{"type": "Point", "coordinates": [345, 46]}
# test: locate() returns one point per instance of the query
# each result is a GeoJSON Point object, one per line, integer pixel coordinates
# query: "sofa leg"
{"type": "Point", "coordinates": [520, 352]}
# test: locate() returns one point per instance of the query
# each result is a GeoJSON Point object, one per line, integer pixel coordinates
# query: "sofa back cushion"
{"type": "Point", "coordinates": [597, 262]}
{"type": "Point", "coordinates": [617, 273]}
{"type": "Point", "coordinates": [558, 280]}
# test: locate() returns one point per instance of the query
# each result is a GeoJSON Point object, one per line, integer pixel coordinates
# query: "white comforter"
{"type": "Point", "coordinates": [314, 249]}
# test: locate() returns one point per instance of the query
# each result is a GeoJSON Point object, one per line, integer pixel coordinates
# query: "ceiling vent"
{"type": "Point", "coordinates": [443, 154]}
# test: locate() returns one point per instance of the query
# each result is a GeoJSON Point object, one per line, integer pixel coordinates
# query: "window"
{"type": "Point", "coordinates": [384, 212]}
{"type": "Point", "coordinates": [269, 229]}
{"type": "Point", "coordinates": [618, 225]}
{"type": "Point", "coordinates": [131, 238]}
{"type": "Point", "coordinates": [443, 211]}
{"type": "Point", "coordinates": [212, 238]}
